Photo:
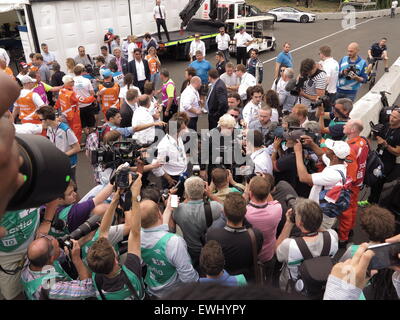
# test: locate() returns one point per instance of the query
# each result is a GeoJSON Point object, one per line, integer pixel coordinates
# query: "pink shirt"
{"type": "Point", "coordinates": [266, 220]}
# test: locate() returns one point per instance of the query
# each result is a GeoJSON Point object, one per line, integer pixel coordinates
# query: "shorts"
{"type": "Point", "coordinates": [10, 285]}
{"type": "Point", "coordinates": [203, 90]}
{"type": "Point", "coordinates": [371, 61]}
{"type": "Point", "coordinates": [87, 116]}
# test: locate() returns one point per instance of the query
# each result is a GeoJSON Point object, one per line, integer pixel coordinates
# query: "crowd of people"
{"type": "Point", "coordinates": [272, 184]}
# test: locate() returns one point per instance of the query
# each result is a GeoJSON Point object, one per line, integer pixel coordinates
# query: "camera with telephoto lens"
{"type": "Point", "coordinates": [85, 228]}
{"type": "Point", "coordinates": [291, 202]}
{"type": "Point", "coordinates": [46, 171]}
{"type": "Point", "coordinates": [324, 101]}
{"type": "Point", "coordinates": [351, 72]}
{"type": "Point", "coordinates": [377, 129]}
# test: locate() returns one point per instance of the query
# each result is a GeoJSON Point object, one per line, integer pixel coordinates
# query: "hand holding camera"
{"type": "Point", "coordinates": [277, 143]}
{"type": "Point", "coordinates": [291, 216]}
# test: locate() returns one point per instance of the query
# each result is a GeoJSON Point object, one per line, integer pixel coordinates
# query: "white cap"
{"type": "Point", "coordinates": [67, 78]}
{"type": "Point", "coordinates": [26, 79]}
{"type": "Point", "coordinates": [340, 148]}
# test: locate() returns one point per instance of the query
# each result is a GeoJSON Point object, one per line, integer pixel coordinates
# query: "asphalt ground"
{"type": "Point", "coordinates": [305, 41]}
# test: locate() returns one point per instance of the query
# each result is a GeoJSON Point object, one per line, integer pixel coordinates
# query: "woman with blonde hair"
{"type": "Point", "coordinates": [131, 46]}
{"type": "Point", "coordinates": [70, 63]}
{"type": "Point", "coordinates": [154, 65]}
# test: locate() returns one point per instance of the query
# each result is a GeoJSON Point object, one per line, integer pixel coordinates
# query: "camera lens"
{"type": "Point", "coordinates": [46, 171]}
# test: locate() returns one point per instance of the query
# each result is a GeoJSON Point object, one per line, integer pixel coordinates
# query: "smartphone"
{"type": "Point", "coordinates": [174, 201]}
{"type": "Point", "coordinates": [386, 255]}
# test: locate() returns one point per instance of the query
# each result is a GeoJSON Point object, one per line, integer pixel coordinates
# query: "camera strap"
{"type": "Point", "coordinates": [99, 284]}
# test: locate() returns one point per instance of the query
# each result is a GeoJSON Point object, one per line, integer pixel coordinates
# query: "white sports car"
{"type": "Point", "coordinates": [292, 14]}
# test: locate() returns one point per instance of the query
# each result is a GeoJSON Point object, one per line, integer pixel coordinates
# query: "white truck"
{"type": "Point", "coordinates": [65, 25]}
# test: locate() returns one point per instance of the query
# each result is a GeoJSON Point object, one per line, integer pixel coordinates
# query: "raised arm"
{"type": "Point", "coordinates": [134, 235]}
{"type": "Point", "coordinates": [108, 216]}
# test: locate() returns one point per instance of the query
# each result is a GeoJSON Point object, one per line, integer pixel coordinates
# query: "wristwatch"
{"type": "Point", "coordinates": [138, 198]}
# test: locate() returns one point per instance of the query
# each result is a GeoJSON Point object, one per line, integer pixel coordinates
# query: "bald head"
{"type": "Point", "coordinates": [40, 252]}
{"type": "Point", "coordinates": [196, 82]}
{"type": "Point", "coordinates": [144, 101]}
{"type": "Point", "coordinates": [353, 49]}
{"type": "Point", "coordinates": [150, 214]}
{"type": "Point", "coordinates": [353, 128]}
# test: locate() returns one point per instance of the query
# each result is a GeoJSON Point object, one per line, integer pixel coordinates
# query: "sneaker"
{"type": "Point", "coordinates": [386, 69]}
{"type": "Point", "coordinates": [364, 203]}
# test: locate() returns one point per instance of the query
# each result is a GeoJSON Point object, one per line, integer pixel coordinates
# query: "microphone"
{"type": "Point", "coordinates": [182, 178]}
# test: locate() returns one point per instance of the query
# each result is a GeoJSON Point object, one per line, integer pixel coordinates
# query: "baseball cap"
{"type": "Point", "coordinates": [107, 73]}
{"type": "Point", "coordinates": [340, 148]}
{"type": "Point", "coordinates": [26, 79]}
{"type": "Point", "coordinates": [293, 135]}
{"type": "Point", "coordinates": [241, 28]}
{"type": "Point", "coordinates": [24, 65]}
{"type": "Point", "coordinates": [110, 30]}
{"type": "Point", "coordinates": [67, 78]}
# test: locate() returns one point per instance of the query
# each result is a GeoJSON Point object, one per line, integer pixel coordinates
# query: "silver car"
{"type": "Point", "coordinates": [292, 14]}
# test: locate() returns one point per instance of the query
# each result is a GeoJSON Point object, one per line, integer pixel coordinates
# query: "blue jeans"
{"type": "Point", "coordinates": [351, 96]}
{"type": "Point", "coordinates": [155, 78]}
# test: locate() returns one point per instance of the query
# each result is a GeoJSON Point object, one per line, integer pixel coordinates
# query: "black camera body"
{"type": "Point", "coordinates": [276, 132]}
{"type": "Point", "coordinates": [122, 178]}
{"type": "Point", "coordinates": [298, 86]}
{"type": "Point", "coordinates": [291, 202]}
{"type": "Point", "coordinates": [377, 129]}
{"type": "Point", "coordinates": [351, 70]}
{"type": "Point", "coordinates": [324, 101]}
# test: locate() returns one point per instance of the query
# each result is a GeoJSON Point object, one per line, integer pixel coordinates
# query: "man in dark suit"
{"type": "Point", "coordinates": [139, 69]}
{"type": "Point", "coordinates": [217, 99]}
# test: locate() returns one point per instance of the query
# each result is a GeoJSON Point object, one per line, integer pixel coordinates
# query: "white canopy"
{"type": "Point", "coordinates": [10, 5]}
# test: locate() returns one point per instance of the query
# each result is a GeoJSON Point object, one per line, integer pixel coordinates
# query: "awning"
{"type": "Point", "coordinates": [10, 5]}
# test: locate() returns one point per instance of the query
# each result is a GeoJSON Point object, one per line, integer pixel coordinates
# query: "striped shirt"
{"type": "Point", "coordinates": [311, 85]}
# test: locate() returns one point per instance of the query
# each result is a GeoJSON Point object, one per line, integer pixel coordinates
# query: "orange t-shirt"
{"type": "Point", "coordinates": [8, 71]}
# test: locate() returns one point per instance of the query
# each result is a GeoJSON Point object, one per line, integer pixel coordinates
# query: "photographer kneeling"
{"type": "Point", "coordinates": [221, 180]}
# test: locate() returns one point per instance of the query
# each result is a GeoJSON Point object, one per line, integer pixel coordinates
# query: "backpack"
{"type": "Point", "coordinates": [374, 167]}
{"type": "Point", "coordinates": [314, 271]}
{"type": "Point", "coordinates": [337, 199]}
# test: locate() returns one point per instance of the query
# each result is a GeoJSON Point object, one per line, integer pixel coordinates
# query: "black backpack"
{"type": "Point", "coordinates": [374, 167]}
{"type": "Point", "coordinates": [314, 271]}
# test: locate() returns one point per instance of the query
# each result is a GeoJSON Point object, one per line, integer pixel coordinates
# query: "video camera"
{"type": "Point", "coordinates": [85, 228]}
{"type": "Point", "coordinates": [46, 171]}
{"type": "Point", "coordinates": [275, 131]}
{"type": "Point", "coordinates": [118, 153]}
{"type": "Point", "coordinates": [351, 72]}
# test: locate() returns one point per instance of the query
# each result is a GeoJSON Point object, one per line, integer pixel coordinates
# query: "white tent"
{"type": "Point", "coordinates": [10, 5]}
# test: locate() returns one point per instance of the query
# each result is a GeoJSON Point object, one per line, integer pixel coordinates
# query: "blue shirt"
{"type": "Point", "coordinates": [226, 280]}
{"type": "Point", "coordinates": [202, 69]}
{"type": "Point", "coordinates": [351, 86]}
{"type": "Point", "coordinates": [285, 58]}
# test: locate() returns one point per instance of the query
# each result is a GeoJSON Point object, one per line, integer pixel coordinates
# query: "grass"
{"type": "Point", "coordinates": [318, 6]}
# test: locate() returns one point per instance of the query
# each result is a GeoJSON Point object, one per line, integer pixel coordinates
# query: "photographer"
{"type": "Point", "coordinates": [334, 159]}
{"type": "Point", "coordinates": [307, 216]}
{"type": "Point", "coordinates": [314, 85]}
{"type": "Point", "coordinates": [284, 162]}
{"type": "Point", "coordinates": [389, 152]}
{"type": "Point", "coordinates": [352, 73]}
{"type": "Point", "coordinates": [338, 117]}
{"type": "Point", "coordinates": [165, 254]}
{"type": "Point", "coordinates": [46, 275]}
{"type": "Point", "coordinates": [190, 216]}
{"type": "Point", "coordinates": [112, 280]}
{"type": "Point", "coordinates": [221, 180]}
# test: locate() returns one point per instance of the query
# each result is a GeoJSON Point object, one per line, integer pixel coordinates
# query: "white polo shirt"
{"type": "Point", "coordinates": [248, 80]}
{"type": "Point", "coordinates": [250, 112]}
{"type": "Point", "coordinates": [262, 161]}
{"type": "Point", "coordinates": [143, 115]}
{"type": "Point", "coordinates": [190, 99]}
{"type": "Point", "coordinates": [194, 46]}
{"type": "Point", "coordinates": [241, 39]}
{"type": "Point", "coordinates": [222, 41]}
{"type": "Point", "coordinates": [331, 68]}
{"type": "Point", "coordinates": [175, 151]}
